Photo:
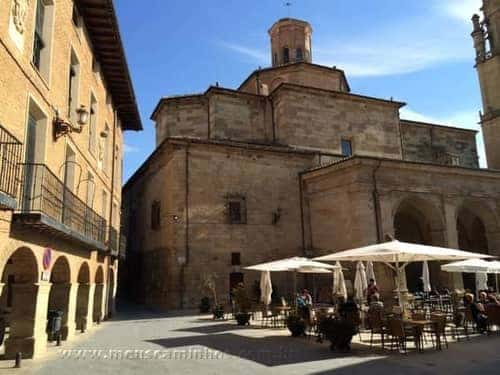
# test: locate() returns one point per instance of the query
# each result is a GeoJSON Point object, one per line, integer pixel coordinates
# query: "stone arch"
{"type": "Point", "coordinates": [59, 295]}
{"type": "Point", "coordinates": [20, 268]}
{"type": "Point", "coordinates": [477, 227]}
{"type": "Point", "coordinates": [82, 297]}
{"type": "Point", "coordinates": [419, 220]}
{"type": "Point", "coordinates": [20, 274]}
{"type": "Point", "coordinates": [98, 295]}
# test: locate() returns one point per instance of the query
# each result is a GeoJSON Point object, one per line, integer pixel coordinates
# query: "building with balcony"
{"type": "Point", "coordinates": [67, 98]}
{"type": "Point", "coordinates": [292, 163]}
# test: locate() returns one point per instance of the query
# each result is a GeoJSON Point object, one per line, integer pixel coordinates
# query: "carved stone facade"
{"type": "Point", "coordinates": [321, 169]}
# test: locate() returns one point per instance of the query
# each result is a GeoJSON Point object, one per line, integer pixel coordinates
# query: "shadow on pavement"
{"type": "Point", "coordinates": [268, 351]}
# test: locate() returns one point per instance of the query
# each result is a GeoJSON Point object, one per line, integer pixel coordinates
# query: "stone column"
{"type": "Point", "coordinates": [70, 330]}
{"type": "Point", "coordinates": [28, 321]}
{"type": "Point", "coordinates": [82, 305]}
{"type": "Point", "coordinates": [101, 295]}
{"type": "Point", "coordinates": [90, 307]}
{"type": "Point", "coordinates": [454, 278]}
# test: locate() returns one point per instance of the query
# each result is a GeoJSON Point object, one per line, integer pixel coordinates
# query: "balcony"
{"type": "Point", "coordinates": [45, 203]}
{"type": "Point", "coordinates": [10, 156]}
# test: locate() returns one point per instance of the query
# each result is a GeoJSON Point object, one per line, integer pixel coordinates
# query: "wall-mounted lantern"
{"type": "Point", "coordinates": [62, 127]}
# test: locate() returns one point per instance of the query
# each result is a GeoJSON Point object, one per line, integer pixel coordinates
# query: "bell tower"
{"type": "Point", "coordinates": [290, 41]}
{"type": "Point", "coordinates": [486, 36]}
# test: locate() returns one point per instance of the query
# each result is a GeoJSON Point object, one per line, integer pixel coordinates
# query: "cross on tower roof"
{"type": "Point", "coordinates": [288, 4]}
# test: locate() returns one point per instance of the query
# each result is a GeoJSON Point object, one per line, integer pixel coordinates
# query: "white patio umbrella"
{"type": "Point", "coordinates": [291, 264]}
{"type": "Point", "coordinates": [339, 287]}
{"type": "Point", "coordinates": [426, 279]}
{"type": "Point", "coordinates": [360, 283]}
{"type": "Point", "coordinates": [266, 287]}
{"type": "Point", "coordinates": [474, 266]}
{"type": "Point", "coordinates": [397, 255]}
{"type": "Point", "coordinates": [481, 281]}
{"type": "Point", "coordinates": [295, 265]}
{"type": "Point", "coordinates": [370, 272]}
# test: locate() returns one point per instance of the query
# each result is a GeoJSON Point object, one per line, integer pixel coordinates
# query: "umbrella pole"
{"type": "Point", "coordinates": [398, 283]}
{"type": "Point", "coordinates": [496, 281]}
{"type": "Point", "coordinates": [294, 296]}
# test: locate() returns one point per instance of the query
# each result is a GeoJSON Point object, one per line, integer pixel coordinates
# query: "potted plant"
{"type": "Point", "coordinates": [204, 305]}
{"type": "Point", "coordinates": [243, 305]}
{"type": "Point", "coordinates": [296, 324]}
{"type": "Point", "coordinates": [209, 284]}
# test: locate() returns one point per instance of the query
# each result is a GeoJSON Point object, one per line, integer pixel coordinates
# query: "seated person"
{"type": "Point", "coordinates": [376, 304]}
{"type": "Point", "coordinates": [492, 300]}
{"type": "Point", "coordinates": [478, 313]}
{"type": "Point", "coordinates": [483, 298]}
{"type": "Point", "coordinates": [304, 303]}
{"type": "Point", "coordinates": [371, 290]}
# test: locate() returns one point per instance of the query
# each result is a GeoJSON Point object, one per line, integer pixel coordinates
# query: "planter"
{"type": "Point", "coordinates": [218, 312]}
{"type": "Point", "coordinates": [296, 326]}
{"type": "Point", "coordinates": [204, 305]}
{"type": "Point", "coordinates": [243, 319]}
{"type": "Point", "coordinates": [339, 332]}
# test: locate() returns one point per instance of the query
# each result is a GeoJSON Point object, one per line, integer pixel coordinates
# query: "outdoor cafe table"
{"type": "Point", "coordinates": [418, 327]}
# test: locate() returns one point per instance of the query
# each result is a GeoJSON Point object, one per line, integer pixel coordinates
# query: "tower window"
{"type": "Point", "coordinates": [236, 209]}
{"type": "Point", "coordinates": [286, 55]}
{"type": "Point", "coordinates": [346, 147]}
{"type": "Point", "coordinates": [299, 55]}
{"type": "Point", "coordinates": [236, 259]}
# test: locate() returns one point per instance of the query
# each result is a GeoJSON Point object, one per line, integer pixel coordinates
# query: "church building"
{"type": "Point", "coordinates": [292, 163]}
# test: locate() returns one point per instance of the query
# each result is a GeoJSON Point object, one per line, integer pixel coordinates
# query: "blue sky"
{"type": "Point", "coordinates": [417, 51]}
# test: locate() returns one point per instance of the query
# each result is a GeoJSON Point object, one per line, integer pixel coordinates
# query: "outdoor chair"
{"type": "Point", "coordinates": [493, 313]}
{"type": "Point", "coordinates": [399, 335]}
{"type": "Point", "coordinates": [457, 321]}
{"type": "Point", "coordinates": [418, 315]}
{"type": "Point", "coordinates": [437, 330]}
{"type": "Point", "coordinates": [377, 326]}
{"type": "Point", "coordinates": [469, 321]}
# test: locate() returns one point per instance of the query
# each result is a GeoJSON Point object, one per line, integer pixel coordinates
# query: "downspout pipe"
{"type": "Point", "coordinates": [376, 204]}
{"type": "Point", "coordinates": [182, 272]}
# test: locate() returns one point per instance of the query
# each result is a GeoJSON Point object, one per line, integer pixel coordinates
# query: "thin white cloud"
{"type": "Point", "coordinates": [461, 10]}
{"type": "Point", "coordinates": [405, 46]}
{"type": "Point", "coordinates": [256, 54]}
{"type": "Point", "coordinates": [129, 149]}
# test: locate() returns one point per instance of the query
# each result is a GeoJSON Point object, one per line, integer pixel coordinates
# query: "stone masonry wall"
{"type": "Point", "coordinates": [427, 143]}
{"type": "Point", "coordinates": [320, 119]}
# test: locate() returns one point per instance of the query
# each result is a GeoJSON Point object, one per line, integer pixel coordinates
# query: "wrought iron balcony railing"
{"type": "Point", "coordinates": [10, 156]}
{"type": "Point", "coordinates": [45, 201]}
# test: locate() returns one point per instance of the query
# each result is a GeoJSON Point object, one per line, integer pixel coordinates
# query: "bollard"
{"type": "Point", "coordinates": [19, 357]}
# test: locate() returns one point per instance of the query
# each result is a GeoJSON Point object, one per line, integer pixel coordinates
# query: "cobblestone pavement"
{"type": "Point", "coordinates": [136, 342]}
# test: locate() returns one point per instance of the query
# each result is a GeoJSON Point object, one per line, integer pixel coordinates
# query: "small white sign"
{"type": "Point", "coordinates": [45, 276]}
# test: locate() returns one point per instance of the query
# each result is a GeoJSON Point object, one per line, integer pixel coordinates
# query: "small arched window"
{"type": "Point", "coordinates": [286, 55]}
{"type": "Point", "coordinates": [299, 56]}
